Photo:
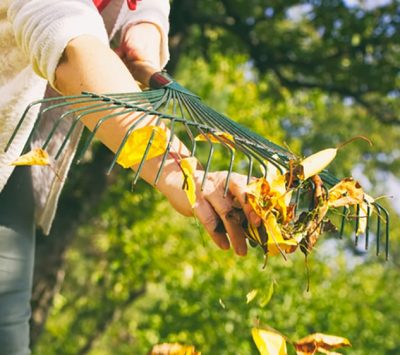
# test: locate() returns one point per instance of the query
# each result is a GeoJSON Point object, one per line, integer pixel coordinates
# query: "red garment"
{"type": "Point", "coordinates": [101, 4]}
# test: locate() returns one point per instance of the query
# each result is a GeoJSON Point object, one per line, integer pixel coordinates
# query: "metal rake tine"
{"type": "Point", "coordinates": [122, 144]}
{"type": "Point", "coordinates": [74, 124]}
{"type": "Point", "coordinates": [199, 108]}
{"type": "Point", "coordinates": [130, 130]}
{"type": "Point", "coordinates": [21, 120]}
{"type": "Point", "coordinates": [386, 232]}
{"type": "Point", "coordinates": [63, 116]}
{"type": "Point", "coordinates": [146, 152]}
{"type": "Point", "coordinates": [189, 132]}
{"type": "Point", "coordinates": [231, 161]}
{"type": "Point", "coordinates": [357, 224]}
{"type": "Point", "coordinates": [345, 209]}
{"type": "Point", "coordinates": [96, 128]}
{"type": "Point", "coordinates": [166, 153]}
{"type": "Point", "coordinates": [378, 228]}
{"type": "Point", "coordinates": [367, 228]}
{"type": "Point", "coordinates": [105, 100]}
{"type": "Point", "coordinates": [210, 154]}
{"type": "Point", "coordinates": [172, 130]}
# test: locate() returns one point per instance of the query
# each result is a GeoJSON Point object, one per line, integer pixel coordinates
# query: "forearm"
{"type": "Point", "coordinates": [89, 65]}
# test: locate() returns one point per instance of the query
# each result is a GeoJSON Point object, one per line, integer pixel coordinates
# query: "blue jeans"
{"type": "Point", "coordinates": [17, 249]}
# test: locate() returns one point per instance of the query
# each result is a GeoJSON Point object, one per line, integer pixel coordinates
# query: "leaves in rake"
{"type": "Point", "coordinates": [364, 213]}
{"type": "Point", "coordinates": [347, 192]}
{"type": "Point", "coordinates": [36, 156]}
{"type": "Point", "coordinates": [188, 166]}
{"type": "Point", "coordinates": [315, 163]}
{"type": "Point", "coordinates": [269, 342]}
{"type": "Point", "coordinates": [312, 343]}
{"type": "Point", "coordinates": [276, 243]}
{"type": "Point", "coordinates": [136, 144]}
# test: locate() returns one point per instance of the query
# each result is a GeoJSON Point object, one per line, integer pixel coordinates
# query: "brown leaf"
{"type": "Point", "coordinates": [312, 343]}
{"type": "Point", "coordinates": [346, 193]}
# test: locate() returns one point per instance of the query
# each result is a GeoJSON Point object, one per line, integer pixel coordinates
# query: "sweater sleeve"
{"type": "Point", "coordinates": [43, 29]}
{"type": "Point", "coordinates": [156, 12]}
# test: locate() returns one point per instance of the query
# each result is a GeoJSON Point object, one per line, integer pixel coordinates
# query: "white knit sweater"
{"type": "Point", "coordinates": [33, 35]}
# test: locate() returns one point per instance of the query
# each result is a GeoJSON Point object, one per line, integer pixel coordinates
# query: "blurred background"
{"type": "Point", "coordinates": [122, 271]}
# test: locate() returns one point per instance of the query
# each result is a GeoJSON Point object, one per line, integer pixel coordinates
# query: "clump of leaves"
{"type": "Point", "coordinates": [287, 226]}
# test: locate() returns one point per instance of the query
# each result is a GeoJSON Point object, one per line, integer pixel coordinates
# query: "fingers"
{"type": "Point", "coordinates": [209, 219]}
{"type": "Point", "coordinates": [237, 187]}
{"type": "Point", "coordinates": [223, 206]}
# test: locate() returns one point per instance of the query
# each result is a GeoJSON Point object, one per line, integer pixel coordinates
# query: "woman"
{"type": "Point", "coordinates": [65, 44]}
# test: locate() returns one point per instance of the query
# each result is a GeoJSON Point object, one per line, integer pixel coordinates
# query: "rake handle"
{"type": "Point", "coordinates": [148, 76]}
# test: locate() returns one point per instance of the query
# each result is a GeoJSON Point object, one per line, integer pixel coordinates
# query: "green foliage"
{"type": "Point", "coordinates": [139, 274]}
{"type": "Point", "coordinates": [196, 294]}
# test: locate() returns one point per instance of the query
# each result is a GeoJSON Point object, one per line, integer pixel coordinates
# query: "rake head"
{"type": "Point", "coordinates": [187, 117]}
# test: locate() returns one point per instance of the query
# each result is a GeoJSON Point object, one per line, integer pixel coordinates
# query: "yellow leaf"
{"type": "Point", "coordinates": [174, 349]}
{"type": "Point", "coordinates": [251, 295]}
{"type": "Point", "coordinates": [217, 137]}
{"type": "Point", "coordinates": [264, 196]}
{"type": "Point", "coordinates": [36, 156]}
{"type": "Point", "coordinates": [188, 166]}
{"type": "Point", "coordinates": [315, 163]}
{"type": "Point", "coordinates": [346, 193]}
{"type": "Point", "coordinates": [319, 342]}
{"type": "Point", "coordinates": [136, 144]}
{"type": "Point", "coordinates": [276, 243]}
{"type": "Point", "coordinates": [363, 214]}
{"type": "Point", "coordinates": [269, 342]}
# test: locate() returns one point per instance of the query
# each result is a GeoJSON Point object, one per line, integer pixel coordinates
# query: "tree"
{"type": "Point", "coordinates": [213, 44]}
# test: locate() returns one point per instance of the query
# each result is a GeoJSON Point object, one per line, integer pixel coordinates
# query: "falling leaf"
{"type": "Point", "coordinates": [217, 137]}
{"type": "Point", "coordinates": [174, 349]}
{"type": "Point", "coordinates": [315, 163]}
{"type": "Point", "coordinates": [267, 297]}
{"type": "Point", "coordinates": [136, 145]}
{"type": "Point", "coordinates": [222, 303]}
{"type": "Point", "coordinates": [319, 342]}
{"type": "Point", "coordinates": [269, 342]}
{"type": "Point", "coordinates": [36, 156]}
{"type": "Point", "coordinates": [189, 186]}
{"type": "Point", "coordinates": [251, 295]}
{"type": "Point", "coordinates": [346, 193]}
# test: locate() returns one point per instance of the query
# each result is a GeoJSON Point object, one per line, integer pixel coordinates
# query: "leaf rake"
{"type": "Point", "coordinates": [185, 114]}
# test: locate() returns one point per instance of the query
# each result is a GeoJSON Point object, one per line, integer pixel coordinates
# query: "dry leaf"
{"type": "Point", "coordinates": [188, 166]}
{"type": "Point", "coordinates": [269, 342]}
{"type": "Point", "coordinates": [276, 244]}
{"type": "Point", "coordinates": [315, 163]}
{"type": "Point", "coordinates": [319, 342]}
{"type": "Point", "coordinates": [174, 349]}
{"type": "Point", "coordinates": [363, 214]}
{"type": "Point", "coordinates": [136, 144]}
{"type": "Point", "coordinates": [217, 137]}
{"type": "Point", "coordinates": [36, 156]}
{"type": "Point", "coordinates": [346, 193]}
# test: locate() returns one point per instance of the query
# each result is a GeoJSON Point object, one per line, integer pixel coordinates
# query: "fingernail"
{"type": "Point", "coordinates": [224, 245]}
{"type": "Point", "coordinates": [242, 251]}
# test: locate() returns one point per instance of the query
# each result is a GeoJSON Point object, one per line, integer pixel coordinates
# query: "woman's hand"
{"type": "Point", "coordinates": [211, 207]}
